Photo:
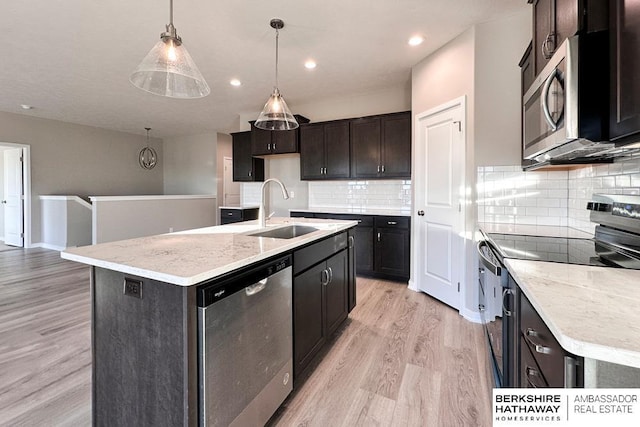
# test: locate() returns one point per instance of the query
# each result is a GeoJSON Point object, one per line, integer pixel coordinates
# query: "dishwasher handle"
{"type": "Point", "coordinates": [254, 289]}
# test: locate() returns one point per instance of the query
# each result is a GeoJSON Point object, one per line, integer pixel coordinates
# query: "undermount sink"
{"type": "Point", "coordinates": [288, 232]}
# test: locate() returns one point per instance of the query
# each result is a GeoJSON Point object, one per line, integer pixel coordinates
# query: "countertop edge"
{"type": "Point", "coordinates": [587, 349]}
{"type": "Point", "coordinates": [290, 245]}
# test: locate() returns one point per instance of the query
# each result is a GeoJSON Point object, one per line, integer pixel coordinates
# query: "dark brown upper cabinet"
{"type": "Point", "coordinates": [381, 146]}
{"type": "Point", "coordinates": [265, 142]}
{"type": "Point", "coordinates": [624, 122]}
{"type": "Point", "coordinates": [246, 168]}
{"type": "Point", "coordinates": [555, 20]}
{"type": "Point", "coordinates": [324, 150]}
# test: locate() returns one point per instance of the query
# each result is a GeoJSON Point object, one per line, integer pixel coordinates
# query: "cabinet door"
{"type": "Point", "coordinates": [284, 141]}
{"type": "Point", "coordinates": [245, 166]}
{"type": "Point", "coordinates": [260, 141]}
{"type": "Point", "coordinates": [312, 160]}
{"type": "Point", "coordinates": [567, 23]}
{"type": "Point", "coordinates": [308, 317]}
{"type": "Point", "coordinates": [336, 142]}
{"type": "Point", "coordinates": [365, 147]}
{"type": "Point", "coordinates": [352, 270]}
{"type": "Point", "coordinates": [364, 249]}
{"type": "Point", "coordinates": [625, 68]}
{"type": "Point", "coordinates": [336, 291]}
{"type": "Point", "coordinates": [392, 252]}
{"type": "Point", "coordinates": [396, 146]}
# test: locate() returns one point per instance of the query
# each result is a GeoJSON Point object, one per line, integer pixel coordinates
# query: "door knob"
{"type": "Point", "coordinates": [4, 201]}
{"type": "Point", "coordinates": [421, 212]}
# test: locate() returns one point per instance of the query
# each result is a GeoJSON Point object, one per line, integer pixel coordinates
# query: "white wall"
{"type": "Point", "coordinates": [66, 222]}
{"type": "Point", "coordinates": [499, 45]}
{"type": "Point", "coordinates": [190, 164]}
{"type": "Point", "coordinates": [81, 160]}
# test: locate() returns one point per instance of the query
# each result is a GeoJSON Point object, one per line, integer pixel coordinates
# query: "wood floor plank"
{"type": "Point", "coordinates": [401, 358]}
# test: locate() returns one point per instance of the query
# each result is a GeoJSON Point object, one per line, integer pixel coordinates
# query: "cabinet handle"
{"type": "Point", "coordinates": [269, 146]}
{"type": "Point", "coordinates": [324, 277]}
{"type": "Point", "coordinates": [379, 237]}
{"type": "Point", "coordinates": [321, 171]}
{"type": "Point", "coordinates": [351, 242]}
{"type": "Point", "coordinates": [274, 146]}
{"type": "Point", "coordinates": [570, 365]}
{"type": "Point", "coordinates": [539, 348]}
{"type": "Point", "coordinates": [325, 171]}
{"type": "Point", "coordinates": [382, 168]}
{"type": "Point", "coordinates": [392, 223]}
{"type": "Point", "coordinates": [530, 372]}
{"type": "Point", "coordinates": [249, 173]}
{"type": "Point", "coordinates": [230, 214]}
{"type": "Point", "coordinates": [330, 275]}
{"type": "Point", "coordinates": [504, 296]}
{"type": "Point", "coordinates": [378, 168]}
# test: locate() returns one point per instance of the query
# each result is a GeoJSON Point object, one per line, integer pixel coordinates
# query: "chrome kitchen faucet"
{"type": "Point", "coordinates": [262, 220]}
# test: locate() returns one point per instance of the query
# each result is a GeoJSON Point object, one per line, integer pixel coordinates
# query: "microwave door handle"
{"type": "Point", "coordinates": [545, 104]}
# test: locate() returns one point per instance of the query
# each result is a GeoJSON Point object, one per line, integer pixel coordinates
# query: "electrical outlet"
{"type": "Point", "coordinates": [292, 194]}
{"type": "Point", "coordinates": [170, 229]}
{"type": "Point", "coordinates": [133, 288]}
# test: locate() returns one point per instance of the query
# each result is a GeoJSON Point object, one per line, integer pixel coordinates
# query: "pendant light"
{"type": "Point", "coordinates": [168, 69]}
{"type": "Point", "coordinates": [148, 156]}
{"type": "Point", "coordinates": [275, 114]}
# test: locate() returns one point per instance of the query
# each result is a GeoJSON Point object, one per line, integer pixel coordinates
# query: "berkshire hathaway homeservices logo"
{"type": "Point", "coordinates": [566, 407]}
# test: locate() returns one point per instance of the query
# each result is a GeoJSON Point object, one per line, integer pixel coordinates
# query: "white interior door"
{"type": "Point", "coordinates": [13, 211]}
{"type": "Point", "coordinates": [231, 189]}
{"type": "Point", "coordinates": [439, 197]}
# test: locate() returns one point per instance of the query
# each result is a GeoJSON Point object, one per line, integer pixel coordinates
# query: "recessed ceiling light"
{"type": "Point", "coordinates": [310, 64]}
{"type": "Point", "coordinates": [26, 107]}
{"type": "Point", "coordinates": [416, 40]}
{"type": "Point", "coordinates": [235, 82]}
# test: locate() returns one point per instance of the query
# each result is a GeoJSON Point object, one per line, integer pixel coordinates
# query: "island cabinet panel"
{"type": "Point", "coordinates": [144, 352]}
{"type": "Point", "coordinates": [320, 296]}
{"type": "Point", "coordinates": [309, 332]}
{"type": "Point", "coordinates": [351, 274]}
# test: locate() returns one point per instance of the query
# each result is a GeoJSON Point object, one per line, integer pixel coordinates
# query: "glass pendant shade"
{"type": "Point", "coordinates": [168, 70]}
{"type": "Point", "coordinates": [276, 115]}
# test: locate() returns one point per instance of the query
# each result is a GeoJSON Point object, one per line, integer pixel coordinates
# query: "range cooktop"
{"type": "Point", "coordinates": [552, 249]}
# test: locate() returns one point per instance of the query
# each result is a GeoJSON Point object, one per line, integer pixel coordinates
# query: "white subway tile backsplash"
{"type": "Point", "coordinates": [384, 194]}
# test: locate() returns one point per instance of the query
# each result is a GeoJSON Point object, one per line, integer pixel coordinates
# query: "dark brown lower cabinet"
{"type": "Point", "coordinates": [382, 243]}
{"type": "Point", "coordinates": [320, 305]}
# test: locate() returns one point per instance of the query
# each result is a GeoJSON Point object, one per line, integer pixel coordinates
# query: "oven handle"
{"type": "Point", "coordinates": [505, 293]}
{"type": "Point", "coordinates": [496, 270]}
{"type": "Point", "coordinates": [545, 102]}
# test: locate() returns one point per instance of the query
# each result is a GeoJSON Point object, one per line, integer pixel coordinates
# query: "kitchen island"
{"type": "Point", "coordinates": [145, 310]}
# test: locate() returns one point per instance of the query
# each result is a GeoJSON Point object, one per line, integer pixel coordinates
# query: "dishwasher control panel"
{"type": "Point", "coordinates": [221, 288]}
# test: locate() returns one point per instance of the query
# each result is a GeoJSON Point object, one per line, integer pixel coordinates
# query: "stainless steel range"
{"type": "Point", "coordinates": [616, 243]}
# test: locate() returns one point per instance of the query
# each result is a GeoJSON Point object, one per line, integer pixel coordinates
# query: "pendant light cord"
{"type": "Point", "coordinates": [171, 12]}
{"type": "Point", "coordinates": [277, 35]}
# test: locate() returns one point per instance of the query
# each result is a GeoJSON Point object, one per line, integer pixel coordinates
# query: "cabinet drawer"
{"type": "Point", "coordinates": [316, 252]}
{"type": "Point", "coordinates": [231, 214]}
{"type": "Point", "coordinates": [530, 373]}
{"type": "Point", "coordinates": [392, 221]}
{"type": "Point", "coordinates": [365, 220]}
{"type": "Point", "coordinates": [544, 347]}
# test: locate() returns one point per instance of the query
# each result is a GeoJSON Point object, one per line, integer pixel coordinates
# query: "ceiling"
{"type": "Point", "coordinates": [71, 59]}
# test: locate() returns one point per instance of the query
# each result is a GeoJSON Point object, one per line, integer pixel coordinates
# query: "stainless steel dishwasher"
{"type": "Point", "coordinates": [245, 345]}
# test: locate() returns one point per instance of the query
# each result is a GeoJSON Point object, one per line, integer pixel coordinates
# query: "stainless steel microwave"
{"type": "Point", "coordinates": [565, 112]}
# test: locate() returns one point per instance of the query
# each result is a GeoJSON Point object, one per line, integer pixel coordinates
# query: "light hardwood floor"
{"type": "Point", "coordinates": [401, 359]}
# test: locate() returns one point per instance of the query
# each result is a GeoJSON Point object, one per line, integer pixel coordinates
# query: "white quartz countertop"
{"type": "Point", "coordinates": [592, 311]}
{"type": "Point", "coordinates": [358, 211]}
{"type": "Point", "coordinates": [190, 257]}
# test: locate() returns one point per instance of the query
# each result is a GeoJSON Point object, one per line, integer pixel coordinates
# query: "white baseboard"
{"type": "Point", "coordinates": [48, 246]}
{"type": "Point", "coordinates": [413, 286]}
{"type": "Point", "coordinates": [472, 316]}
